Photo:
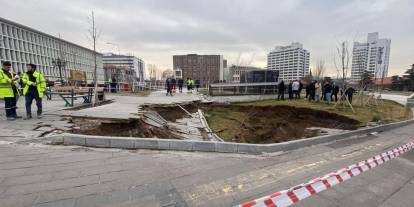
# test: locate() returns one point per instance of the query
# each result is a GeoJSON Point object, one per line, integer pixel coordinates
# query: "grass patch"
{"type": "Point", "coordinates": [271, 121]}
{"type": "Point", "coordinates": [139, 93]}
{"type": "Point", "coordinates": [386, 110]}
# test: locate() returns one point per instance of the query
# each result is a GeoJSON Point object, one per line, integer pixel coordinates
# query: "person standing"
{"type": "Point", "coordinates": [188, 83]}
{"type": "Point", "coordinates": [281, 91]}
{"type": "Point", "coordinates": [328, 92]}
{"type": "Point", "coordinates": [349, 92]}
{"type": "Point", "coordinates": [295, 89]}
{"type": "Point", "coordinates": [290, 91]}
{"type": "Point", "coordinates": [9, 91]}
{"type": "Point", "coordinates": [168, 86]}
{"type": "Point", "coordinates": [318, 91]}
{"type": "Point", "coordinates": [335, 92]}
{"type": "Point", "coordinates": [113, 85]}
{"type": "Point", "coordinates": [312, 91]}
{"type": "Point", "coordinates": [173, 84]}
{"type": "Point", "coordinates": [35, 86]}
{"type": "Point", "coordinates": [197, 84]}
{"type": "Point", "coordinates": [300, 88]}
{"type": "Point", "coordinates": [180, 85]}
{"type": "Point", "coordinates": [307, 90]}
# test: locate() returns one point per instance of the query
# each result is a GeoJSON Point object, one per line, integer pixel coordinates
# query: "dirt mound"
{"type": "Point", "coordinates": [271, 124]}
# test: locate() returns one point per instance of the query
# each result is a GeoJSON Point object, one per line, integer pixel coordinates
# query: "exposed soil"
{"type": "Point", "coordinates": [271, 124]}
{"type": "Point", "coordinates": [233, 123]}
{"type": "Point", "coordinates": [174, 112]}
{"type": "Point", "coordinates": [131, 128]}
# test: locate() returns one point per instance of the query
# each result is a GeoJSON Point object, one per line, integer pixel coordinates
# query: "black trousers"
{"type": "Point", "coordinates": [33, 94]}
{"type": "Point", "coordinates": [281, 96]}
{"type": "Point", "coordinates": [10, 106]}
{"type": "Point", "coordinates": [311, 96]}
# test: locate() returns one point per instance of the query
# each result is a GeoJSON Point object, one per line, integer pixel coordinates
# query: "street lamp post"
{"type": "Point", "coordinates": [59, 63]}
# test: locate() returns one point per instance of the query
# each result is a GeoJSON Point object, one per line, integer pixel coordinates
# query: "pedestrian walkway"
{"type": "Point", "coordinates": [127, 107]}
{"type": "Point", "coordinates": [40, 176]}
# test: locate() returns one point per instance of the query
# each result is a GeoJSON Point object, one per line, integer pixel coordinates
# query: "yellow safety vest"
{"type": "Point", "coordinates": [40, 83]}
{"type": "Point", "coordinates": [6, 89]}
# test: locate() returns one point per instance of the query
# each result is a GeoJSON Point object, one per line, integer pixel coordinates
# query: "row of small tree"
{"type": "Point", "coordinates": [406, 82]}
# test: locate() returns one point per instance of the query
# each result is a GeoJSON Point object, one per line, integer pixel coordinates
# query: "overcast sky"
{"type": "Point", "coordinates": [157, 29]}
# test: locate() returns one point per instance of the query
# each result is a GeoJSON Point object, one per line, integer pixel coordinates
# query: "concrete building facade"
{"type": "Point", "coordinates": [291, 61]}
{"type": "Point", "coordinates": [21, 45]}
{"type": "Point", "coordinates": [206, 68]}
{"type": "Point", "coordinates": [124, 76]}
{"type": "Point", "coordinates": [126, 61]}
{"type": "Point", "coordinates": [372, 56]}
{"type": "Point", "coordinates": [235, 72]}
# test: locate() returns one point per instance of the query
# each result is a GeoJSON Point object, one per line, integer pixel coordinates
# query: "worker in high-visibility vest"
{"type": "Point", "coordinates": [35, 86]}
{"type": "Point", "coordinates": [9, 90]}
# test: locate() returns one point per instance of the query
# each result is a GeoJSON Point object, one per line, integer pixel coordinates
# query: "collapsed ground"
{"type": "Point", "coordinates": [266, 121]}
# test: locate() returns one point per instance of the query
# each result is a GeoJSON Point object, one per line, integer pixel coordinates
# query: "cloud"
{"type": "Point", "coordinates": [157, 29]}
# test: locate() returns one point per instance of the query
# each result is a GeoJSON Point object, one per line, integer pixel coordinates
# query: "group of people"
{"type": "Point", "coordinates": [315, 91]}
{"type": "Point", "coordinates": [32, 85]}
{"type": "Point", "coordinates": [171, 83]}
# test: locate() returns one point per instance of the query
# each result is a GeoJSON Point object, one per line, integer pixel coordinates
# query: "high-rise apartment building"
{"type": "Point", "coordinates": [126, 61]}
{"type": "Point", "coordinates": [21, 45]}
{"type": "Point", "coordinates": [291, 61]}
{"type": "Point", "coordinates": [205, 68]}
{"type": "Point", "coordinates": [372, 56]}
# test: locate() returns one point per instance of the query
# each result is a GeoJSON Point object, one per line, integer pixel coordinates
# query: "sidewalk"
{"type": "Point", "coordinates": [38, 175]}
{"type": "Point", "coordinates": [127, 107]}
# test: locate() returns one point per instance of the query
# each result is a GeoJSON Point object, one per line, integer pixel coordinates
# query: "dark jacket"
{"type": "Point", "coordinates": [350, 91]}
{"type": "Point", "coordinates": [335, 89]}
{"type": "Point", "coordinates": [168, 83]}
{"type": "Point", "coordinates": [180, 82]}
{"type": "Point", "coordinates": [281, 86]}
{"type": "Point", "coordinates": [328, 88]}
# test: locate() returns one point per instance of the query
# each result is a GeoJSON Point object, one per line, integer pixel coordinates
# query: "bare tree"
{"type": "Point", "coordinates": [93, 36]}
{"type": "Point", "coordinates": [319, 70]}
{"type": "Point", "coordinates": [342, 64]}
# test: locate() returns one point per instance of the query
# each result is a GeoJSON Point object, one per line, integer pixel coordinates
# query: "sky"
{"type": "Point", "coordinates": [243, 31]}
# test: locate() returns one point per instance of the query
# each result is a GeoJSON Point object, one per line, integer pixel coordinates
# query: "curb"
{"type": "Point", "coordinates": [208, 146]}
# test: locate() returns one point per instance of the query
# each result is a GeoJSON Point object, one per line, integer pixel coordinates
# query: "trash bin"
{"type": "Point", "coordinates": [126, 87]}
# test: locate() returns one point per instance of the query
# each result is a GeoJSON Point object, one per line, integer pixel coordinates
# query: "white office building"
{"type": "Point", "coordinates": [130, 61]}
{"type": "Point", "coordinates": [291, 61]}
{"type": "Point", "coordinates": [21, 45]}
{"type": "Point", "coordinates": [372, 56]}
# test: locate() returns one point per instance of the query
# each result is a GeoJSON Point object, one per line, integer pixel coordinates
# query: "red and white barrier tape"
{"type": "Point", "coordinates": [302, 191]}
